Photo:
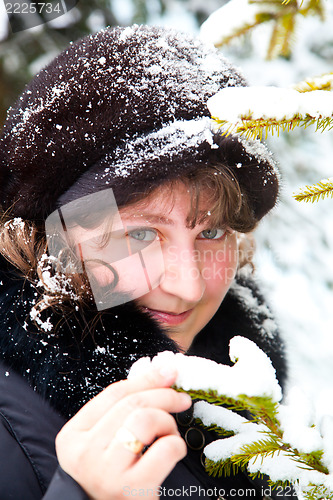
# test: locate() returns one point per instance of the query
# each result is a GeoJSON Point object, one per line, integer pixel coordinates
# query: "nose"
{"type": "Point", "coordinates": [182, 277]}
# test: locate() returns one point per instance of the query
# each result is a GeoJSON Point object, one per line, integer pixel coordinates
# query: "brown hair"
{"type": "Point", "coordinates": [24, 244]}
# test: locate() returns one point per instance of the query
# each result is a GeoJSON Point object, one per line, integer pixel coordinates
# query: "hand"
{"type": "Point", "coordinates": [88, 448]}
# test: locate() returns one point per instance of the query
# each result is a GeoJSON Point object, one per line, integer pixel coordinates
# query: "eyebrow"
{"type": "Point", "coordinates": [151, 218]}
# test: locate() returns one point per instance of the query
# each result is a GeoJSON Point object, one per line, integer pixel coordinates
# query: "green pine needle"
{"type": "Point", "coordinates": [312, 460]}
{"type": "Point", "coordinates": [217, 399]}
{"type": "Point", "coordinates": [322, 82]}
{"type": "Point", "coordinates": [320, 191]}
{"type": "Point", "coordinates": [261, 127]}
{"type": "Point", "coordinates": [262, 448]}
{"type": "Point", "coordinates": [238, 33]}
{"type": "Point", "coordinates": [221, 468]}
{"type": "Point", "coordinates": [318, 492]}
{"type": "Point", "coordinates": [223, 433]}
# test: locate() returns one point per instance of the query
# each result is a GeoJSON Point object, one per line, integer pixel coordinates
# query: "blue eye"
{"type": "Point", "coordinates": [212, 234]}
{"type": "Point", "coordinates": [142, 234]}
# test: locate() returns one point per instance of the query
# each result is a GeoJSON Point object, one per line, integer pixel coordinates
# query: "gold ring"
{"type": "Point", "coordinates": [130, 442]}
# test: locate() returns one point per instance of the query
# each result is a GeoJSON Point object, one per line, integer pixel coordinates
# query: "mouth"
{"type": "Point", "coordinates": [167, 317]}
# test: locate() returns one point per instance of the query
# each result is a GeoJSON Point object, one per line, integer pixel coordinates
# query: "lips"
{"type": "Point", "coordinates": [169, 317]}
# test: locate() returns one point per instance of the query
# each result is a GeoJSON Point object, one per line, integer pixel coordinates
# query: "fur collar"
{"type": "Point", "coordinates": [69, 370]}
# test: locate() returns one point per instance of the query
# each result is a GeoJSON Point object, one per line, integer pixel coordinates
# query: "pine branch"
{"type": "Point", "coordinates": [261, 127]}
{"type": "Point", "coordinates": [243, 30]}
{"type": "Point", "coordinates": [262, 410]}
{"type": "Point", "coordinates": [312, 460]}
{"type": "Point", "coordinates": [323, 82]}
{"type": "Point", "coordinates": [269, 439]}
{"type": "Point", "coordinates": [318, 492]}
{"type": "Point", "coordinates": [258, 450]}
{"type": "Point", "coordinates": [221, 468]}
{"type": "Point", "coordinates": [282, 36]}
{"type": "Point", "coordinates": [217, 399]}
{"type": "Point", "coordinates": [264, 447]}
{"type": "Point", "coordinates": [223, 433]}
{"type": "Point", "coordinates": [283, 14]}
{"type": "Point", "coordinates": [278, 484]}
{"type": "Point", "coordinates": [320, 191]}
{"type": "Point", "coordinates": [311, 7]}
{"type": "Point", "coordinates": [288, 23]}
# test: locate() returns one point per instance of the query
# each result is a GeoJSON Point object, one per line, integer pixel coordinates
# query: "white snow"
{"type": "Point", "coordinates": [281, 467]}
{"type": "Point", "coordinates": [43, 325]}
{"type": "Point", "coordinates": [252, 374]}
{"type": "Point", "coordinates": [53, 95]}
{"type": "Point", "coordinates": [102, 60]}
{"type": "Point", "coordinates": [234, 104]}
{"type": "Point", "coordinates": [210, 414]}
{"type": "Point", "coordinates": [230, 18]}
{"type": "Point", "coordinates": [297, 418]}
{"type": "Point", "coordinates": [51, 283]}
{"type": "Point", "coordinates": [168, 140]}
{"type": "Point", "coordinates": [16, 224]}
{"type": "Point", "coordinates": [3, 21]}
{"type": "Point", "coordinates": [222, 449]}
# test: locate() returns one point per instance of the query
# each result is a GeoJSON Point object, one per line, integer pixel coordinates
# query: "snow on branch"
{"type": "Point", "coordinates": [238, 17]}
{"type": "Point", "coordinates": [201, 374]}
{"type": "Point", "coordinates": [323, 82]}
{"type": "Point", "coordinates": [257, 111]}
{"type": "Point", "coordinates": [232, 20]}
{"type": "Point", "coordinates": [280, 440]}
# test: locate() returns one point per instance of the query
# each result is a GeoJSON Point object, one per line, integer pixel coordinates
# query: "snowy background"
{"type": "Point", "coordinates": [295, 243]}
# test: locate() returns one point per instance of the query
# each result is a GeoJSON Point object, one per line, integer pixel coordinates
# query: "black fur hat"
{"type": "Point", "coordinates": [121, 109]}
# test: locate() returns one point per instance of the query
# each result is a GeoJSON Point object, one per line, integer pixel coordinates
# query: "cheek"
{"type": "Point", "coordinates": [219, 271]}
{"type": "Point", "coordinates": [103, 275]}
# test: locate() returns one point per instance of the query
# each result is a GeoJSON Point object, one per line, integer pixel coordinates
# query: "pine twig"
{"type": "Point", "coordinates": [242, 30]}
{"type": "Point", "coordinates": [316, 492]}
{"type": "Point", "coordinates": [316, 192]}
{"type": "Point", "coordinates": [282, 36]}
{"type": "Point", "coordinates": [282, 14]}
{"type": "Point", "coordinates": [261, 127]}
{"type": "Point", "coordinates": [216, 429]}
{"type": "Point", "coordinates": [221, 468]}
{"type": "Point", "coordinates": [323, 82]}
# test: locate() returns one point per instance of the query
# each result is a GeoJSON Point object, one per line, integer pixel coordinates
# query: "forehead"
{"type": "Point", "coordinates": [167, 202]}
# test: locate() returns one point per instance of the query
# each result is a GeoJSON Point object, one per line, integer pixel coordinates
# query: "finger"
{"type": "Point", "coordinates": [99, 405]}
{"type": "Point", "coordinates": [145, 425]}
{"type": "Point", "coordinates": [158, 461]}
{"type": "Point", "coordinates": [165, 399]}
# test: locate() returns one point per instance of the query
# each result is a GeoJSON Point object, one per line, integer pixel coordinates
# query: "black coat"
{"type": "Point", "coordinates": [46, 377]}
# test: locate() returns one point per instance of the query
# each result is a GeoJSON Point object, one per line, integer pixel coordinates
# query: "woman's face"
{"type": "Point", "coordinates": [178, 274]}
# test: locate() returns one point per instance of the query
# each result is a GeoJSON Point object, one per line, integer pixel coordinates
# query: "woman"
{"type": "Point", "coordinates": [108, 161]}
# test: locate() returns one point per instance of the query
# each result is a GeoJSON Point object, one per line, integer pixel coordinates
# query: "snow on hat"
{"type": "Point", "coordinates": [123, 109]}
